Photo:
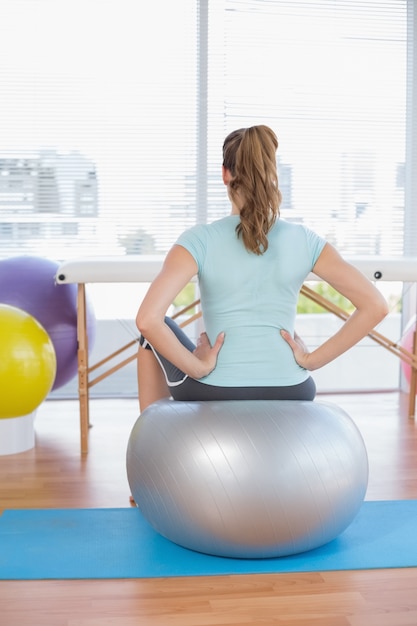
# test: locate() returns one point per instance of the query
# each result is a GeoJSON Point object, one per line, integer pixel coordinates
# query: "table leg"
{"type": "Point", "coordinates": [413, 382]}
{"type": "Point", "coordinates": [82, 354]}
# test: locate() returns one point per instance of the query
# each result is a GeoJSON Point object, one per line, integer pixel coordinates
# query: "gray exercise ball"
{"type": "Point", "coordinates": [247, 479]}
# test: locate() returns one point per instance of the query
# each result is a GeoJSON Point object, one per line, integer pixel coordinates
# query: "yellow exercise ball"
{"type": "Point", "coordinates": [27, 362]}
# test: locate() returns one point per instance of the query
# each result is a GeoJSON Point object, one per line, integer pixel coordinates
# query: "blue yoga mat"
{"type": "Point", "coordinates": [119, 543]}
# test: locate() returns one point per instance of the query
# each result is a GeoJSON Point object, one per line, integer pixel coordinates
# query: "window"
{"type": "Point", "coordinates": [330, 78]}
{"type": "Point", "coordinates": [114, 113]}
{"type": "Point", "coordinates": [98, 100]}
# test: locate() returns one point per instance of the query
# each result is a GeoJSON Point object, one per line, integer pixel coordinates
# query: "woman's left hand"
{"type": "Point", "coordinates": [206, 353]}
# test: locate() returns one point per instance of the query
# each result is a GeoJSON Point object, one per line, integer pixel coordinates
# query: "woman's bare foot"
{"type": "Point", "coordinates": [132, 501]}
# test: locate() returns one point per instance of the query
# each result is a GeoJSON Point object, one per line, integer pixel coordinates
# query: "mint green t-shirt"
{"type": "Point", "coordinates": [251, 298]}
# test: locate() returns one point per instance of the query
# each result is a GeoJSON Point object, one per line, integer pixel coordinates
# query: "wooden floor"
{"type": "Point", "coordinates": [53, 475]}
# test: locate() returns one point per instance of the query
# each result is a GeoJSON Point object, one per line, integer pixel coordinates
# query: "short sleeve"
{"type": "Point", "coordinates": [194, 240]}
{"type": "Point", "coordinates": [315, 245]}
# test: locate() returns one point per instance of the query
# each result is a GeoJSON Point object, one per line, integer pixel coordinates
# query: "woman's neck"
{"type": "Point", "coordinates": [235, 200]}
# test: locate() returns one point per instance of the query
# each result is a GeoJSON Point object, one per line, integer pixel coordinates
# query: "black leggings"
{"type": "Point", "coordinates": [184, 388]}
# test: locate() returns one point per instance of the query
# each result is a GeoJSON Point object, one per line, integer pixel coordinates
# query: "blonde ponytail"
{"type": "Point", "coordinates": [250, 156]}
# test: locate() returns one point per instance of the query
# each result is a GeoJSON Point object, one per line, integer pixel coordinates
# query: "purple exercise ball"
{"type": "Point", "coordinates": [28, 282]}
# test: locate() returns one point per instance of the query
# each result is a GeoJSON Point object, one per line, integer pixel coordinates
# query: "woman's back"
{"type": "Point", "coordinates": [251, 298]}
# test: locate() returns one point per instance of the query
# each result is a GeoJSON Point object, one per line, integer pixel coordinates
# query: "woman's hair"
{"type": "Point", "coordinates": [250, 156]}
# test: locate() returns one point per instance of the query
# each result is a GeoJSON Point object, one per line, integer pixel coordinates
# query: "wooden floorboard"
{"type": "Point", "coordinates": [54, 475]}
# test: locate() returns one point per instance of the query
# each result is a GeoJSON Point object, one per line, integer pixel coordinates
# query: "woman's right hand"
{"type": "Point", "coordinates": [298, 347]}
{"type": "Point", "coordinates": [370, 309]}
{"type": "Point", "coordinates": [206, 353]}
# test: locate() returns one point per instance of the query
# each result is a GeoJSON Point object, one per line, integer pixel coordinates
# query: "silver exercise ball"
{"type": "Point", "coordinates": [247, 479]}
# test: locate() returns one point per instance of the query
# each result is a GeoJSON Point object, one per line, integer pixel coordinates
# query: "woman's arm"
{"type": "Point", "coordinates": [178, 269]}
{"type": "Point", "coordinates": [370, 309]}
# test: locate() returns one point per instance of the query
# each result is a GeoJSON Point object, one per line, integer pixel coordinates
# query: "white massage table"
{"type": "Point", "coordinates": [143, 269]}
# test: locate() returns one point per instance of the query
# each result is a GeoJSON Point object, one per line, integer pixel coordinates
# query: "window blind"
{"type": "Point", "coordinates": [330, 78]}
{"type": "Point", "coordinates": [98, 114]}
{"type": "Point", "coordinates": [113, 114]}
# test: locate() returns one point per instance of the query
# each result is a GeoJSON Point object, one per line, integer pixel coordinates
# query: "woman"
{"type": "Point", "coordinates": [250, 267]}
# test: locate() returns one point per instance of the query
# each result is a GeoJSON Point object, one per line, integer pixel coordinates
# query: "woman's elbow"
{"type": "Point", "coordinates": [143, 323]}
{"type": "Point", "coordinates": [380, 309]}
